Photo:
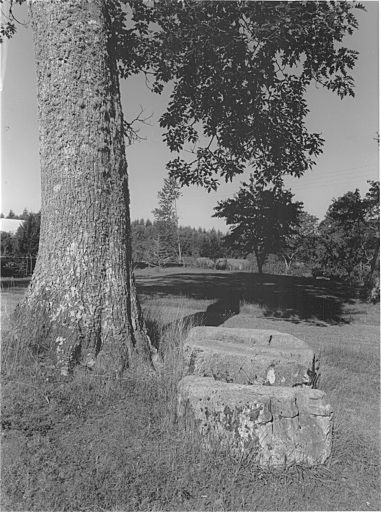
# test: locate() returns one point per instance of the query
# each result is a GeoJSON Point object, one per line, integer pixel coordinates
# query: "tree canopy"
{"type": "Point", "coordinates": [239, 72]}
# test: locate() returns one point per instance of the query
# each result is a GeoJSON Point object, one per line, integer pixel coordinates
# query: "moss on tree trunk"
{"type": "Point", "coordinates": [82, 300]}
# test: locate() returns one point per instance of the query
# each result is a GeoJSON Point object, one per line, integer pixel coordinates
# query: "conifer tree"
{"type": "Point", "coordinates": [167, 222]}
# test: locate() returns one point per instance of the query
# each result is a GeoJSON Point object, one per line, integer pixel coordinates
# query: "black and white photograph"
{"type": "Point", "coordinates": [190, 255]}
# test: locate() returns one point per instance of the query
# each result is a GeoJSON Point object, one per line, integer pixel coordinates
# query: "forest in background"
{"type": "Point", "coordinates": [343, 246]}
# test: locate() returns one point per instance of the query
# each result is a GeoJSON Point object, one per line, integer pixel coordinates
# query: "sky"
{"type": "Point", "coordinates": [349, 126]}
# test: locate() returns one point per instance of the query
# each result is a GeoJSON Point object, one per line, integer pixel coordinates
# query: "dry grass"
{"type": "Point", "coordinates": [93, 443]}
{"type": "Point", "coordinates": [12, 354]}
{"type": "Point", "coordinates": [9, 300]}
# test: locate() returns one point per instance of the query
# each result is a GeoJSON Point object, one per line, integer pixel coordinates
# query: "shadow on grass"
{"type": "Point", "coordinates": [287, 297]}
{"type": "Point", "coordinates": [291, 298]}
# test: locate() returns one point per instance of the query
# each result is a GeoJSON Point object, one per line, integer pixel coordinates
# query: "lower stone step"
{"type": "Point", "coordinates": [278, 425]}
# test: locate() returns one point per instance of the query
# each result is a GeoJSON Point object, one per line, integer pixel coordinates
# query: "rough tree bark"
{"type": "Point", "coordinates": [82, 300]}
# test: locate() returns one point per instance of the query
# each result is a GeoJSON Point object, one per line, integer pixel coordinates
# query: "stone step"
{"type": "Point", "coordinates": [277, 425]}
{"type": "Point", "coordinates": [249, 337]}
{"type": "Point", "coordinates": [249, 356]}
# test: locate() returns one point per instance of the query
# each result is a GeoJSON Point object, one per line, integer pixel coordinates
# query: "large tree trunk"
{"type": "Point", "coordinates": [82, 301]}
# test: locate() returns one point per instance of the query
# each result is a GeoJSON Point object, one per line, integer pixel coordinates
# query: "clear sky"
{"type": "Point", "coordinates": [349, 126]}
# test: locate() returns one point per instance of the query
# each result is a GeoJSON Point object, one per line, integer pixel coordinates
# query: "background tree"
{"type": "Point", "coordinates": [11, 215]}
{"type": "Point", "coordinates": [212, 245]}
{"type": "Point", "coordinates": [26, 240]}
{"type": "Point", "coordinates": [27, 236]}
{"type": "Point", "coordinates": [349, 236]}
{"type": "Point", "coordinates": [24, 215]}
{"type": "Point", "coordinates": [143, 234]}
{"type": "Point", "coordinates": [372, 219]}
{"type": "Point", "coordinates": [8, 246]}
{"type": "Point", "coordinates": [260, 219]}
{"type": "Point", "coordinates": [301, 242]}
{"type": "Point", "coordinates": [189, 241]}
{"type": "Point", "coordinates": [9, 263]}
{"type": "Point", "coordinates": [167, 222]}
{"type": "Point", "coordinates": [19, 250]}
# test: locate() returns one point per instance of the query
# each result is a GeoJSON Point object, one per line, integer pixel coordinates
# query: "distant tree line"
{"type": "Point", "coordinates": [164, 241]}
{"type": "Point", "coordinates": [269, 230]}
{"type": "Point", "coordinates": [12, 215]}
{"type": "Point", "coordinates": [154, 244]}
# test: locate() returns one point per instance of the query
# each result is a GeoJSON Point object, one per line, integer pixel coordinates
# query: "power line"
{"type": "Point", "coordinates": [334, 178]}
{"type": "Point", "coordinates": [376, 166]}
{"type": "Point", "coordinates": [372, 168]}
{"type": "Point", "coordinates": [322, 185]}
{"type": "Point", "coordinates": [342, 175]}
{"type": "Point", "coordinates": [340, 178]}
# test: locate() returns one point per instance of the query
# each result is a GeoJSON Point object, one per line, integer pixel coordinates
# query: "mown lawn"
{"type": "Point", "coordinates": [93, 443]}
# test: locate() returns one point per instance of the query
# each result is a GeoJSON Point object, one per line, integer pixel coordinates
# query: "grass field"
{"type": "Point", "coordinates": [93, 443]}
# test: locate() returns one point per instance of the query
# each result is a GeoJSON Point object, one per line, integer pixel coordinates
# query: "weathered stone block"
{"type": "Point", "coordinates": [249, 356]}
{"type": "Point", "coordinates": [281, 425]}
{"type": "Point", "coordinates": [250, 337]}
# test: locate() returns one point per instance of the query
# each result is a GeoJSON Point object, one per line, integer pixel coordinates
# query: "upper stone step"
{"type": "Point", "coordinates": [249, 337]}
{"type": "Point", "coordinates": [249, 356]}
